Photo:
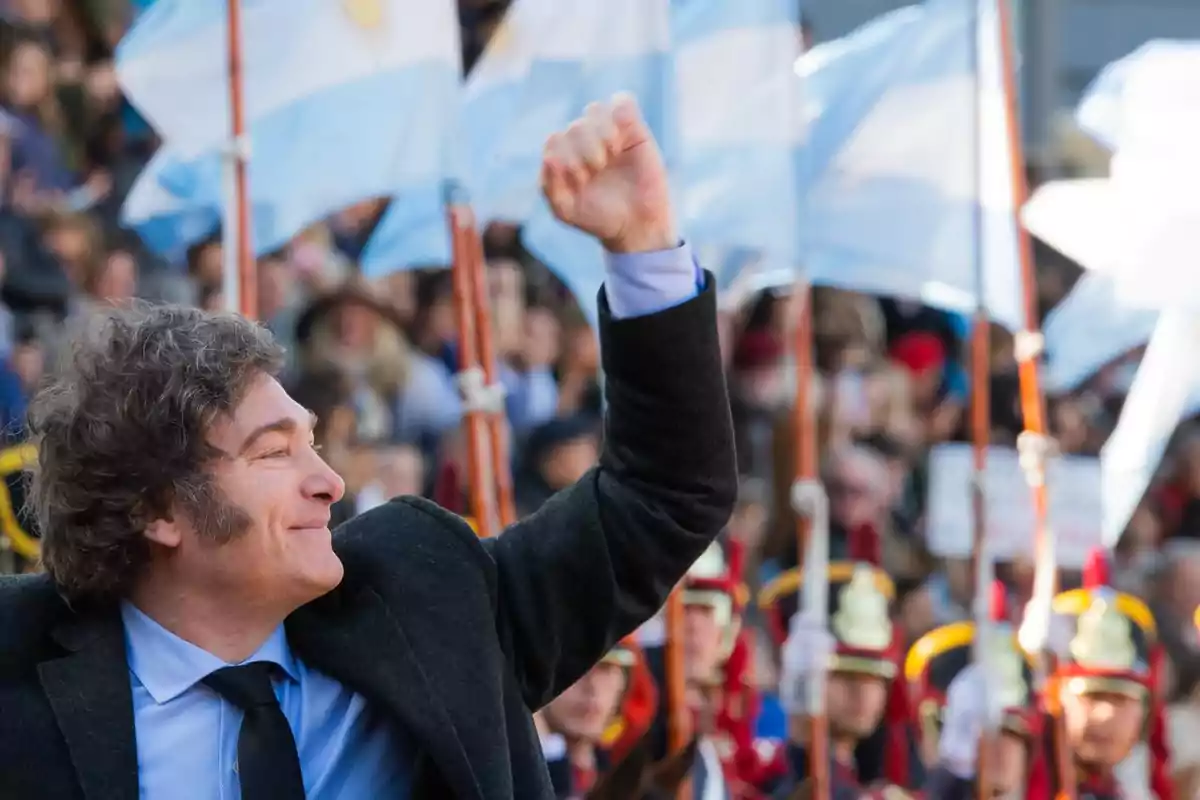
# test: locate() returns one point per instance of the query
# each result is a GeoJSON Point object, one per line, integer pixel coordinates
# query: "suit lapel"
{"type": "Point", "coordinates": [90, 693]}
{"type": "Point", "coordinates": [356, 640]}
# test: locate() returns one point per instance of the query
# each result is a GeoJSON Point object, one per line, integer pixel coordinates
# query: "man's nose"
{"type": "Point", "coordinates": [323, 483]}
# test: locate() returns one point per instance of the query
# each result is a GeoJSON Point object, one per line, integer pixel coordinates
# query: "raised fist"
{"type": "Point", "coordinates": [605, 176]}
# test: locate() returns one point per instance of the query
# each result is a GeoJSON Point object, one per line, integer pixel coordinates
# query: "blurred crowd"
{"type": "Point", "coordinates": [376, 359]}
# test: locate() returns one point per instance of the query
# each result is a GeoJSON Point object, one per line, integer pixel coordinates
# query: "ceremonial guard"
{"type": "Point", "coordinates": [947, 699]}
{"type": "Point", "coordinates": [858, 653]}
{"type": "Point", "coordinates": [732, 701]}
{"type": "Point", "coordinates": [575, 725]}
{"type": "Point", "coordinates": [1109, 682]}
{"type": "Point", "coordinates": [721, 700]}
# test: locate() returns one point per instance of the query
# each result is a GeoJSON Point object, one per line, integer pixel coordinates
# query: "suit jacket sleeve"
{"type": "Point", "coordinates": [600, 557]}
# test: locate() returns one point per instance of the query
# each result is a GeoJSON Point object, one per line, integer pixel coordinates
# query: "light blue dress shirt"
{"type": "Point", "coordinates": [646, 283]}
{"type": "Point", "coordinates": [187, 734]}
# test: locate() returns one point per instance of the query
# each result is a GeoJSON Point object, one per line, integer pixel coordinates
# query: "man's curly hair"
{"type": "Point", "coordinates": [122, 437]}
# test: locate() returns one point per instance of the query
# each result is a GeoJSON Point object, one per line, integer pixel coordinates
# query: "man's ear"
{"type": "Point", "coordinates": [165, 532]}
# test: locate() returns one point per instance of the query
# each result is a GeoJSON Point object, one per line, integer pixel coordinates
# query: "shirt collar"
{"type": "Point", "coordinates": [168, 666]}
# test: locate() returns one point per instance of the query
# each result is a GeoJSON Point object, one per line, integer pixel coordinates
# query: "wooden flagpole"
{"type": "Point", "coordinates": [816, 574]}
{"type": "Point", "coordinates": [238, 252]}
{"type": "Point", "coordinates": [1034, 444]}
{"type": "Point", "coordinates": [497, 438]}
{"type": "Point", "coordinates": [461, 224]}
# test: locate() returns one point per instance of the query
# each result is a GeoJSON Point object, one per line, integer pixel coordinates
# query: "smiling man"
{"type": "Point", "coordinates": [200, 633]}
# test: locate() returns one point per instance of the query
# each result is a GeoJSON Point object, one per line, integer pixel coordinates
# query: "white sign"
{"type": "Point", "coordinates": [1074, 494]}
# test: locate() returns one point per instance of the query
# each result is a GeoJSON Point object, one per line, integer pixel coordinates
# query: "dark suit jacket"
{"type": "Point", "coordinates": [456, 638]}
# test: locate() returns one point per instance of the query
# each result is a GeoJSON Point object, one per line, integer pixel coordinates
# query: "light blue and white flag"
{"type": "Point", "coordinates": [1137, 231]}
{"type": "Point", "coordinates": [1101, 113]}
{"type": "Point", "coordinates": [722, 98]}
{"type": "Point", "coordinates": [166, 223]}
{"type": "Point", "coordinates": [740, 125]}
{"type": "Point", "coordinates": [1090, 328]}
{"type": "Point", "coordinates": [612, 46]}
{"type": "Point", "coordinates": [508, 110]}
{"type": "Point", "coordinates": [903, 184]}
{"type": "Point", "coordinates": [548, 59]}
{"type": "Point", "coordinates": [1166, 388]}
{"type": "Point", "coordinates": [343, 102]}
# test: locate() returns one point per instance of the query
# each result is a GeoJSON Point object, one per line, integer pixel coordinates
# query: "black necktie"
{"type": "Point", "coordinates": [267, 763]}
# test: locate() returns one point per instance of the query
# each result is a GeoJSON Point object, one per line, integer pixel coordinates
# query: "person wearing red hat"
{"type": "Point", "coordinates": [1109, 678]}
{"type": "Point", "coordinates": [749, 764]}
{"type": "Point", "coordinates": [857, 652]}
{"type": "Point", "coordinates": [723, 706]}
{"type": "Point", "coordinates": [576, 727]}
{"type": "Point", "coordinates": [949, 700]}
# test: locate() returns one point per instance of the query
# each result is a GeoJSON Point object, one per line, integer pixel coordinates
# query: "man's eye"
{"type": "Point", "coordinates": [275, 454]}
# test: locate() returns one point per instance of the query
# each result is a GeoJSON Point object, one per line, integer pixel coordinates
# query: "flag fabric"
{"type": "Point", "coordinates": [1090, 328]}
{"type": "Point", "coordinates": [1139, 225]}
{"type": "Point", "coordinates": [610, 46]}
{"type": "Point", "coordinates": [1082, 219]}
{"type": "Point", "coordinates": [1137, 231]}
{"type": "Point", "coordinates": [548, 59]}
{"type": "Point", "coordinates": [719, 92]}
{"type": "Point", "coordinates": [414, 233]}
{"type": "Point", "coordinates": [508, 110]}
{"type": "Point", "coordinates": [1100, 113]}
{"type": "Point", "coordinates": [740, 124]}
{"type": "Point", "coordinates": [1166, 387]}
{"type": "Point", "coordinates": [716, 84]}
{"type": "Point", "coordinates": [343, 101]}
{"type": "Point", "coordinates": [902, 184]}
{"type": "Point", "coordinates": [166, 223]}
{"type": "Point", "coordinates": [1154, 170]}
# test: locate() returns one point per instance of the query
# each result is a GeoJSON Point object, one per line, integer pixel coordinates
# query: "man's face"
{"type": "Point", "coordinates": [266, 532]}
{"type": "Point", "coordinates": [855, 703]}
{"type": "Point", "coordinates": [701, 642]}
{"type": "Point", "coordinates": [585, 709]}
{"type": "Point", "coordinates": [1102, 727]}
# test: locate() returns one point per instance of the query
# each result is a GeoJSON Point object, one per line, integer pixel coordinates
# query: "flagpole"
{"type": "Point", "coordinates": [239, 280]}
{"type": "Point", "coordinates": [470, 375]}
{"type": "Point", "coordinates": [981, 413]}
{"type": "Point", "coordinates": [1033, 444]}
{"type": "Point", "coordinates": [810, 504]}
{"type": "Point", "coordinates": [497, 439]}
{"type": "Point", "coordinates": [812, 532]}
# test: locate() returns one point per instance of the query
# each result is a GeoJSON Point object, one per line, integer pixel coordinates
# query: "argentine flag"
{"type": "Point", "coordinates": [344, 101]}
{"type": "Point", "coordinates": [904, 186]}
{"type": "Point", "coordinates": [716, 84]}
